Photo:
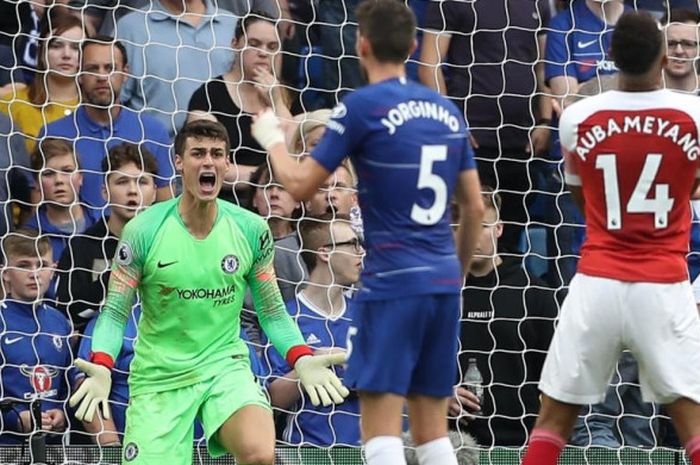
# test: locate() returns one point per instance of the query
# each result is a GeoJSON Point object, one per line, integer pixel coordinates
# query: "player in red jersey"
{"type": "Point", "coordinates": [631, 159]}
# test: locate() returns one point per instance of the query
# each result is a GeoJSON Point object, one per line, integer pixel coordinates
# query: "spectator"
{"type": "Point", "coordinates": [36, 349]}
{"type": "Point", "coordinates": [491, 49]}
{"type": "Point", "coordinates": [338, 32]}
{"type": "Point", "coordinates": [15, 179]}
{"type": "Point", "coordinates": [244, 90]}
{"type": "Point", "coordinates": [681, 28]}
{"type": "Point", "coordinates": [660, 9]}
{"type": "Point", "coordinates": [578, 41]}
{"type": "Point", "coordinates": [339, 192]}
{"type": "Point", "coordinates": [60, 215]}
{"type": "Point", "coordinates": [273, 202]}
{"type": "Point", "coordinates": [173, 47]}
{"type": "Point", "coordinates": [85, 264]}
{"type": "Point", "coordinates": [100, 122]}
{"type": "Point", "coordinates": [53, 94]}
{"type": "Point", "coordinates": [333, 255]}
{"type": "Point", "coordinates": [507, 324]}
{"type": "Point", "coordinates": [19, 30]}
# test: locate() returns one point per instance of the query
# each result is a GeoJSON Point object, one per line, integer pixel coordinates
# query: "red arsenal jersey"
{"type": "Point", "coordinates": [635, 156]}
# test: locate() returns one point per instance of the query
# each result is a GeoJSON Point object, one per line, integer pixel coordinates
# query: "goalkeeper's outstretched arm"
{"type": "Point", "coordinates": [318, 380]}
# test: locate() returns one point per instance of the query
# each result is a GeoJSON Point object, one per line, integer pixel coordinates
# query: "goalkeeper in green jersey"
{"type": "Point", "coordinates": [191, 259]}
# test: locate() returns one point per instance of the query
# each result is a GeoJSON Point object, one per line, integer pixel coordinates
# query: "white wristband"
{"type": "Point", "coordinates": [267, 131]}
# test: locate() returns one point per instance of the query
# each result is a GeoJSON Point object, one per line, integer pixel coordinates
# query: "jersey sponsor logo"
{"type": "Point", "coordinates": [160, 264]}
{"type": "Point", "coordinates": [220, 296]}
{"type": "Point", "coordinates": [406, 111]}
{"type": "Point", "coordinates": [131, 451]}
{"type": "Point", "coordinates": [40, 377]}
{"type": "Point", "coordinates": [12, 340]}
{"type": "Point", "coordinates": [649, 124]}
{"type": "Point", "coordinates": [229, 264]}
{"type": "Point", "coordinates": [124, 254]}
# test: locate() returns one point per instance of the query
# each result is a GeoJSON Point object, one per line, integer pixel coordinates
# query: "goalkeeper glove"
{"type": "Point", "coordinates": [267, 130]}
{"type": "Point", "coordinates": [93, 392]}
{"type": "Point", "coordinates": [319, 381]}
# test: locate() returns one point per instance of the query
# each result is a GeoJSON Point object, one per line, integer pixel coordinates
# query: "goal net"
{"type": "Point", "coordinates": [298, 57]}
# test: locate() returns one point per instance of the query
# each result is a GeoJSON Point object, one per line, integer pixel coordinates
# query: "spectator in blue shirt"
{"type": "Point", "coordinates": [100, 122]}
{"type": "Point", "coordinates": [34, 341]}
{"type": "Point", "coordinates": [60, 214]}
{"type": "Point", "coordinates": [333, 254]}
{"type": "Point", "coordinates": [173, 47]}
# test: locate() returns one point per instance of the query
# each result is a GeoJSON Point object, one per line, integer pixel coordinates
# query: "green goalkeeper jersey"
{"type": "Point", "coordinates": [191, 294]}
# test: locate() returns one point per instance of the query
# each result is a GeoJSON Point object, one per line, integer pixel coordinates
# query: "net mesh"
{"type": "Point", "coordinates": [165, 75]}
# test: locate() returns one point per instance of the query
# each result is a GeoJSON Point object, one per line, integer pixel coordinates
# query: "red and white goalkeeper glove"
{"type": "Point", "coordinates": [93, 392]}
{"type": "Point", "coordinates": [320, 383]}
{"type": "Point", "coordinates": [267, 130]}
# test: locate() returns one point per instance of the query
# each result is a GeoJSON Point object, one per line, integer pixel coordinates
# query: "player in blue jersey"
{"type": "Point", "coordinates": [34, 341]}
{"type": "Point", "coordinates": [411, 150]}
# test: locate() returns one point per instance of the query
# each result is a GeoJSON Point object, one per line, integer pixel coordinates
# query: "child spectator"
{"type": "Point", "coordinates": [34, 340]}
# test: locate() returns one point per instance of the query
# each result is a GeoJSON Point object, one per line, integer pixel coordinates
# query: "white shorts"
{"type": "Point", "coordinates": [601, 317]}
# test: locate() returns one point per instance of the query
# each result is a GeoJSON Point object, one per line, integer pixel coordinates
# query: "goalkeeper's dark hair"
{"type": "Point", "coordinates": [250, 19]}
{"type": "Point", "coordinates": [127, 152]}
{"type": "Point", "coordinates": [201, 129]}
{"type": "Point", "coordinates": [390, 28]}
{"type": "Point", "coordinates": [24, 242]}
{"type": "Point", "coordinates": [314, 233]}
{"type": "Point", "coordinates": [637, 43]}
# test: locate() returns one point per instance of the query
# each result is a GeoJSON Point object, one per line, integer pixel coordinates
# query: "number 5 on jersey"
{"type": "Point", "coordinates": [639, 202]}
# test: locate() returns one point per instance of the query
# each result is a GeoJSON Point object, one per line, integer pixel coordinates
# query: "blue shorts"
{"type": "Point", "coordinates": [405, 346]}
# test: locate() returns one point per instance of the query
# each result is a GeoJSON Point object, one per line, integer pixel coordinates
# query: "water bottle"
{"type": "Point", "coordinates": [473, 380]}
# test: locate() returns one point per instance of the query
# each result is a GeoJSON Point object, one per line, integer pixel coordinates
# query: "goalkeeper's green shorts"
{"type": "Point", "coordinates": [160, 425]}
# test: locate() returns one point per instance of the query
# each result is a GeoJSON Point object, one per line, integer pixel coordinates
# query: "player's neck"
{"type": "Point", "coordinates": [483, 267]}
{"type": "Point", "coordinates": [634, 84]}
{"type": "Point", "coordinates": [687, 83]}
{"type": "Point", "coordinates": [325, 297]}
{"type": "Point", "coordinates": [198, 216]}
{"type": "Point", "coordinates": [378, 72]}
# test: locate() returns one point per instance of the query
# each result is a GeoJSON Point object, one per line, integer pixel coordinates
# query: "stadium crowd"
{"type": "Point", "coordinates": [92, 93]}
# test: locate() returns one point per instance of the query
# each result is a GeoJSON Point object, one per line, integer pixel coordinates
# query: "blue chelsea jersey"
{"type": "Point", "coordinates": [36, 361]}
{"type": "Point", "coordinates": [408, 145]}
{"type": "Point", "coordinates": [319, 426]}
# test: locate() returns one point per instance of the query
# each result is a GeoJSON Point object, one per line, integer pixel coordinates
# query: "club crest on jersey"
{"type": "Point", "coordinates": [40, 377]}
{"type": "Point", "coordinates": [131, 451]}
{"type": "Point", "coordinates": [124, 254]}
{"type": "Point", "coordinates": [57, 342]}
{"type": "Point", "coordinates": [229, 264]}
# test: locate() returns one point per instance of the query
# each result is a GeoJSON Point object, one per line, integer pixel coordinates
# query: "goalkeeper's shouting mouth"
{"type": "Point", "coordinates": [190, 361]}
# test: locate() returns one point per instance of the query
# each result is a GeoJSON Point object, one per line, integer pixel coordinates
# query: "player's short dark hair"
{"type": "Point", "coordinates": [201, 129]}
{"type": "Point", "coordinates": [315, 232]}
{"type": "Point", "coordinates": [126, 153]}
{"type": "Point", "coordinates": [48, 148]}
{"type": "Point", "coordinates": [250, 19]}
{"type": "Point", "coordinates": [24, 243]}
{"type": "Point", "coordinates": [680, 15]}
{"type": "Point", "coordinates": [637, 43]}
{"type": "Point", "coordinates": [390, 28]}
{"type": "Point", "coordinates": [105, 40]}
